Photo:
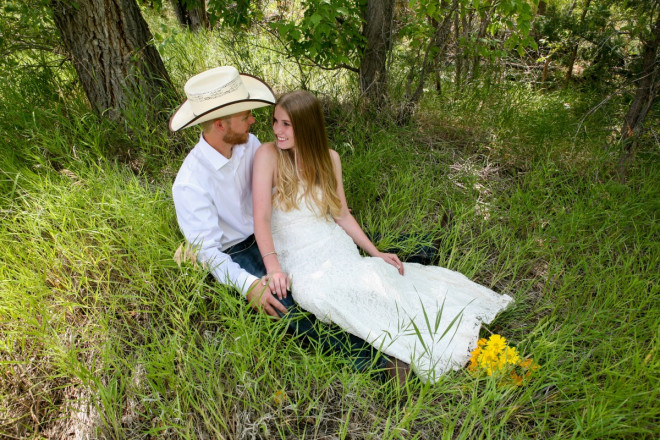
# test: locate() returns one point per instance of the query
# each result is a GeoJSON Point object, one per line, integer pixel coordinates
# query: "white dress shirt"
{"type": "Point", "coordinates": [213, 201]}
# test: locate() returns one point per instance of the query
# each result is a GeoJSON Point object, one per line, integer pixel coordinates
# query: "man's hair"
{"type": "Point", "coordinates": [206, 125]}
{"type": "Point", "coordinates": [311, 145]}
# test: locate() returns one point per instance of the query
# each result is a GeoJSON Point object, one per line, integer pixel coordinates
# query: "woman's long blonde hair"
{"type": "Point", "coordinates": [311, 152]}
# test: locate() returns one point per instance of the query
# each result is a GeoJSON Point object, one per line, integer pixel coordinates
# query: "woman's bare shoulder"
{"type": "Point", "coordinates": [267, 150]}
{"type": "Point", "coordinates": [268, 146]}
{"type": "Point", "coordinates": [336, 159]}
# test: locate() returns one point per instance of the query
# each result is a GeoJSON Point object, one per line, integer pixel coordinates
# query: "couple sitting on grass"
{"type": "Point", "coordinates": [272, 221]}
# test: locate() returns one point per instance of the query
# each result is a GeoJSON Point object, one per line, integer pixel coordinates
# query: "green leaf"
{"type": "Point", "coordinates": [315, 19]}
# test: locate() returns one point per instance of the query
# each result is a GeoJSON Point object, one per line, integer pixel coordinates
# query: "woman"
{"type": "Point", "coordinates": [426, 316]}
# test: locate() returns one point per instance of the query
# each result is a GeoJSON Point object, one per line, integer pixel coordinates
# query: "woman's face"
{"type": "Point", "coordinates": [283, 129]}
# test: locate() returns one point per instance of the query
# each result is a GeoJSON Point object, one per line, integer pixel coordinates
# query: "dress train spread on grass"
{"type": "Point", "coordinates": [430, 317]}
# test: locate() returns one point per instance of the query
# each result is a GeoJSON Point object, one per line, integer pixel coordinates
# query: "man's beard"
{"type": "Point", "coordinates": [234, 138]}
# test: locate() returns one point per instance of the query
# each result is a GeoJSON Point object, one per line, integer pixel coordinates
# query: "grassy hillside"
{"type": "Point", "coordinates": [104, 334]}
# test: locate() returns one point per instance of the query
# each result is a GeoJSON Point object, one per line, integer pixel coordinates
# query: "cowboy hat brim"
{"type": "Point", "coordinates": [260, 95]}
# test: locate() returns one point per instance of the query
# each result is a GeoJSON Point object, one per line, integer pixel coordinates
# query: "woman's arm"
{"type": "Point", "coordinates": [351, 226]}
{"type": "Point", "coordinates": [264, 173]}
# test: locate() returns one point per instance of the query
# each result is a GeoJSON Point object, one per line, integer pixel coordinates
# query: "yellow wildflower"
{"type": "Point", "coordinates": [279, 397]}
{"type": "Point", "coordinates": [511, 356]}
{"type": "Point", "coordinates": [529, 364]}
{"type": "Point", "coordinates": [516, 378]}
{"type": "Point", "coordinates": [474, 359]}
{"type": "Point", "coordinates": [487, 357]}
{"type": "Point", "coordinates": [496, 343]}
{"type": "Point", "coordinates": [494, 356]}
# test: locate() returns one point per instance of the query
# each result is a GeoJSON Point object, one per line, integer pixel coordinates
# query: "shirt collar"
{"type": "Point", "coordinates": [216, 159]}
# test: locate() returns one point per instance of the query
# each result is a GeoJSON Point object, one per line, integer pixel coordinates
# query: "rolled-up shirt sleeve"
{"type": "Point", "coordinates": [197, 216]}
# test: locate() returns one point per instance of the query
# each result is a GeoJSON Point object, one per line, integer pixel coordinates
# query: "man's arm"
{"type": "Point", "coordinates": [197, 218]}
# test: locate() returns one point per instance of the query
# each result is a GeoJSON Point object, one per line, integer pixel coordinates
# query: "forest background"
{"type": "Point", "coordinates": [519, 137]}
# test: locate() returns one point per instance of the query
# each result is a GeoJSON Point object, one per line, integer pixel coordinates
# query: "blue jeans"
{"type": "Point", "coordinates": [359, 353]}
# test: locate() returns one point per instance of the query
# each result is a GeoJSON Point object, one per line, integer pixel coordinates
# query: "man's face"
{"type": "Point", "coordinates": [238, 128]}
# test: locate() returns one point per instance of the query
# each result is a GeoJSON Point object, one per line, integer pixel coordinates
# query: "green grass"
{"type": "Point", "coordinates": [102, 333]}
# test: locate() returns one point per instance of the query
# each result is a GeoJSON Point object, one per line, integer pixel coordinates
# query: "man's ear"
{"type": "Point", "coordinates": [221, 124]}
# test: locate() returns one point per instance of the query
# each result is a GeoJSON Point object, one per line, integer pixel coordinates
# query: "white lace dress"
{"type": "Point", "coordinates": [430, 317]}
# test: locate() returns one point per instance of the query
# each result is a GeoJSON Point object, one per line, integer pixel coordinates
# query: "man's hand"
{"type": "Point", "coordinates": [261, 299]}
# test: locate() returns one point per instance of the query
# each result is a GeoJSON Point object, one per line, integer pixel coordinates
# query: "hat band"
{"type": "Point", "coordinates": [198, 116]}
{"type": "Point", "coordinates": [202, 111]}
{"type": "Point", "coordinates": [226, 89]}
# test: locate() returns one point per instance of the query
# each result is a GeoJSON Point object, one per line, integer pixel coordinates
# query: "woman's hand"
{"type": "Point", "coordinates": [278, 282]}
{"type": "Point", "coordinates": [391, 259]}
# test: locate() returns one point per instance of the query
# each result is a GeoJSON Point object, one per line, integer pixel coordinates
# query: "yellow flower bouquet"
{"type": "Point", "coordinates": [493, 356]}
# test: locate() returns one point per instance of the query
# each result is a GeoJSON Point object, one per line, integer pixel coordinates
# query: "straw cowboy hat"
{"type": "Point", "coordinates": [218, 92]}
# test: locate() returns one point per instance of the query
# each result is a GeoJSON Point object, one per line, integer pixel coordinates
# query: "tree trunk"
{"type": "Point", "coordinates": [458, 58]}
{"type": "Point", "coordinates": [647, 91]}
{"type": "Point", "coordinates": [467, 18]}
{"type": "Point", "coordinates": [438, 81]}
{"type": "Point", "coordinates": [108, 42]}
{"type": "Point", "coordinates": [439, 41]}
{"type": "Point", "coordinates": [191, 14]}
{"type": "Point", "coordinates": [483, 27]}
{"type": "Point", "coordinates": [540, 10]}
{"type": "Point", "coordinates": [544, 76]}
{"type": "Point", "coordinates": [462, 62]}
{"type": "Point", "coordinates": [571, 61]}
{"type": "Point", "coordinates": [373, 66]}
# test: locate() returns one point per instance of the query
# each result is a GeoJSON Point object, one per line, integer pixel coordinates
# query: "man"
{"type": "Point", "coordinates": [213, 199]}
{"type": "Point", "coordinates": [212, 191]}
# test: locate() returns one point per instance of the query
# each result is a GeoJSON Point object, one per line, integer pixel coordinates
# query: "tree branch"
{"type": "Point", "coordinates": [313, 63]}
